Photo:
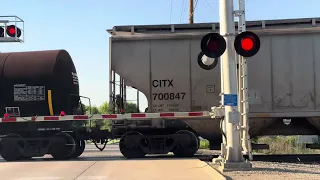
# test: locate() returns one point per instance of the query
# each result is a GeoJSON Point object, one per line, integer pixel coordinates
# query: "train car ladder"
{"type": "Point", "coordinates": [243, 89]}
{"type": "Point", "coordinates": [121, 98]}
{"type": "Point", "coordinates": [117, 101]}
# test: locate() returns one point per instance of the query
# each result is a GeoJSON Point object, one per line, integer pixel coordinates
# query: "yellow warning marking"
{"type": "Point", "coordinates": [50, 103]}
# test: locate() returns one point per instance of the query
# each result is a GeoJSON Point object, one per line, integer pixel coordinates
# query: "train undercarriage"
{"type": "Point", "coordinates": [67, 140]}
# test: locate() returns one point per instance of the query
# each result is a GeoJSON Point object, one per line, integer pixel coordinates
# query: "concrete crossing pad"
{"type": "Point", "coordinates": [150, 169]}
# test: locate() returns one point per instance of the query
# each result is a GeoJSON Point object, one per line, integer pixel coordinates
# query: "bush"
{"type": "Point", "coordinates": [204, 144]}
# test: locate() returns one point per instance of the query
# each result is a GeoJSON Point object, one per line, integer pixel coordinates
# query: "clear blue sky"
{"type": "Point", "coordinates": [78, 26]}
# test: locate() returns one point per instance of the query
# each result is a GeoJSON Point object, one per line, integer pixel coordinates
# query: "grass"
{"type": "Point", "coordinates": [283, 145]}
{"type": "Point", "coordinates": [114, 141]}
{"type": "Point", "coordinates": [277, 145]}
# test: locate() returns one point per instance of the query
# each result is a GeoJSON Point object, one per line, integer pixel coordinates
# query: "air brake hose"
{"type": "Point", "coordinates": [104, 145]}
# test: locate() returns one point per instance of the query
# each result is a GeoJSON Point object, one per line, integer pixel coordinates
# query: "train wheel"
{"type": "Point", "coordinates": [12, 147]}
{"type": "Point", "coordinates": [129, 148]}
{"type": "Point", "coordinates": [80, 146]}
{"type": "Point", "coordinates": [186, 148]}
{"type": "Point", "coordinates": [62, 146]}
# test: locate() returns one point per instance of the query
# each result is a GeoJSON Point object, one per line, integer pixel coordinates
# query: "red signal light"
{"type": "Point", "coordinates": [13, 31]}
{"type": "Point", "coordinates": [213, 45]}
{"type": "Point", "coordinates": [247, 44]}
{"type": "Point", "coordinates": [6, 115]}
{"type": "Point", "coordinates": [62, 113]}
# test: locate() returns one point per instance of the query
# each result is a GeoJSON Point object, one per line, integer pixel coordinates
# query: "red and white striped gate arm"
{"type": "Point", "coordinates": [133, 116]}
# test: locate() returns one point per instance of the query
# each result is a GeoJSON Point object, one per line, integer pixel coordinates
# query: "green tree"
{"type": "Point", "coordinates": [94, 110]}
{"type": "Point", "coordinates": [104, 108]}
{"type": "Point", "coordinates": [132, 108]}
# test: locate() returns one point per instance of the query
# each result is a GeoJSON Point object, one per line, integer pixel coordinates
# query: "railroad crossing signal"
{"type": "Point", "coordinates": [213, 45]}
{"type": "Point", "coordinates": [11, 31]}
{"type": "Point", "coordinates": [247, 44]}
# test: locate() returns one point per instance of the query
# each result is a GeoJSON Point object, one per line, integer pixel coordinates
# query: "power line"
{"type": "Point", "coordinates": [195, 6]}
{"type": "Point", "coordinates": [171, 10]}
{"type": "Point", "coordinates": [183, 9]}
{"type": "Point", "coordinates": [208, 4]}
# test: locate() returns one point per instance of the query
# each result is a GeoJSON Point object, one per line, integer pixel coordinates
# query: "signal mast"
{"type": "Point", "coordinates": [233, 110]}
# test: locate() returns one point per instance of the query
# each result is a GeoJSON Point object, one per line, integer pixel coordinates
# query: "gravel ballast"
{"type": "Point", "coordinates": [275, 171]}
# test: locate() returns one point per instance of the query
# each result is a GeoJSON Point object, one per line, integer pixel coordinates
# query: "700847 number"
{"type": "Point", "coordinates": [168, 96]}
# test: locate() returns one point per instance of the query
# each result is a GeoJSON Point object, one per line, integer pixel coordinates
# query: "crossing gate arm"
{"type": "Point", "coordinates": [114, 117]}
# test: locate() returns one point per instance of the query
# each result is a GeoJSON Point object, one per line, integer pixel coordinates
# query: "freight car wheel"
{"type": "Point", "coordinates": [187, 147]}
{"type": "Point", "coordinates": [62, 146]}
{"type": "Point", "coordinates": [129, 147]}
{"type": "Point", "coordinates": [12, 147]}
{"type": "Point", "coordinates": [80, 146]}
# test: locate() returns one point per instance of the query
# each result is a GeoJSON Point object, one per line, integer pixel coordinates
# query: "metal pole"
{"type": "Point", "coordinates": [245, 138]}
{"type": "Point", "coordinates": [124, 95]}
{"type": "Point", "coordinates": [232, 115]}
{"type": "Point", "coordinates": [138, 108]}
{"type": "Point", "coordinates": [224, 141]}
{"type": "Point", "coordinates": [114, 92]}
{"type": "Point", "coordinates": [191, 11]}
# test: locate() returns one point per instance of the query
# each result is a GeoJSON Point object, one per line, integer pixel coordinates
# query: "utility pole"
{"type": "Point", "coordinates": [191, 10]}
{"type": "Point", "coordinates": [234, 159]}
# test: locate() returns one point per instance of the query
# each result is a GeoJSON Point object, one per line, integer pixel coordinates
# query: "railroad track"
{"type": "Point", "coordinates": [289, 158]}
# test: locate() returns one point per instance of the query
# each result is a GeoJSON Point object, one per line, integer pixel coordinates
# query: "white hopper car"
{"type": "Point", "coordinates": [161, 62]}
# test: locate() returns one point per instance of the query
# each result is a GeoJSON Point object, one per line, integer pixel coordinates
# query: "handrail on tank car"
{"type": "Point", "coordinates": [79, 101]}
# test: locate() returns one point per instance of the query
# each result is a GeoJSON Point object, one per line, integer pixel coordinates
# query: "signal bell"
{"type": "Point", "coordinates": [247, 44]}
{"type": "Point", "coordinates": [213, 45]}
{"type": "Point", "coordinates": [205, 62]}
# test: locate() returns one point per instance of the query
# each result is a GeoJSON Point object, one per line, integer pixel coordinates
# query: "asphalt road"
{"type": "Point", "coordinates": [107, 165]}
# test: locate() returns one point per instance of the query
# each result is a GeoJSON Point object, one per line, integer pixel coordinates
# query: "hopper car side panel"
{"type": "Point", "coordinates": [260, 78]}
{"type": "Point", "coordinates": [206, 85]}
{"type": "Point", "coordinates": [136, 55]}
{"type": "Point", "coordinates": [293, 73]}
{"type": "Point", "coordinates": [170, 76]}
{"type": "Point", "coordinates": [167, 72]}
